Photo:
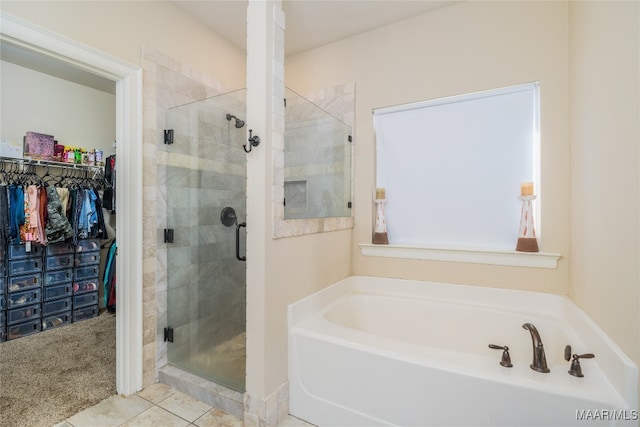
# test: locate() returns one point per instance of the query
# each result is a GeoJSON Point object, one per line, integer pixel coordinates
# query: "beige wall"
{"type": "Point", "coordinates": [465, 47]}
{"type": "Point", "coordinates": [75, 115]}
{"type": "Point", "coordinates": [605, 164]}
{"type": "Point", "coordinates": [295, 266]}
{"type": "Point", "coordinates": [299, 266]}
{"type": "Point", "coordinates": [585, 55]}
{"type": "Point", "coordinates": [122, 28]}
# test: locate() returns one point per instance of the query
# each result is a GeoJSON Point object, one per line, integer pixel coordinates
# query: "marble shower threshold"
{"type": "Point", "coordinates": [216, 395]}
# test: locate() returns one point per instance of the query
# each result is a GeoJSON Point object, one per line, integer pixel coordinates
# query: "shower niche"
{"type": "Point", "coordinates": [317, 161]}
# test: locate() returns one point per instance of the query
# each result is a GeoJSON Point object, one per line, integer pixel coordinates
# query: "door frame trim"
{"type": "Point", "coordinates": [128, 80]}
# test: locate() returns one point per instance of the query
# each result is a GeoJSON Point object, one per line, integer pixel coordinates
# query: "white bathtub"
{"type": "Point", "coordinates": [374, 351]}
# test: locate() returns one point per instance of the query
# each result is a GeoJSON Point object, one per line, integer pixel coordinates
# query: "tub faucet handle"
{"type": "Point", "coordinates": [576, 369]}
{"type": "Point", "coordinates": [506, 358]}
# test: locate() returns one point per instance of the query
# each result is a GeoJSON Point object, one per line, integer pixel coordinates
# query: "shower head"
{"type": "Point", "coordinates": [239, 123]}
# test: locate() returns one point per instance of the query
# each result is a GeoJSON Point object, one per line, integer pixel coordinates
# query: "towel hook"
{"type": "Point", "coordinates": [254, 141]}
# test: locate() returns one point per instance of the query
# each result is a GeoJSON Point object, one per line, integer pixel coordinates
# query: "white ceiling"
{"type": "Point", "coordinates": [310, 23]}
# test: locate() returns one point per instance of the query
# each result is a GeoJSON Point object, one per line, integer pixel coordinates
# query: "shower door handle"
{"type": "Point", "coordinates": [240, 258]}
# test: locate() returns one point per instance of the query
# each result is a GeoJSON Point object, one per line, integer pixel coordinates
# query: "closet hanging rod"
{"type": "Point", "coordinates": [48, 163]}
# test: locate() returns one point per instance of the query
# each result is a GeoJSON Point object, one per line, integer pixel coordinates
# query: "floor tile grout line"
{"type": "Point", "coordinates": [161, 408]}
{"type": "Point", "coordinates": [157, 404]}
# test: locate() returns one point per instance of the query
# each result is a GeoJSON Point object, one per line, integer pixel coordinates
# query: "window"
{"type": "Point", "coordinates": [452, 167]}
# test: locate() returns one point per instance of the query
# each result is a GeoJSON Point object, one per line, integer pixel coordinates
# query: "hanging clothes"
{"type": "Point", "coordinates": [63, 196]}
{"type": "Point", "coordinates": [4, 215]}
{"type": "Point", "coordinates": [109, 198]}
{"type": "Point", "coordinates": [37, 209]}
{"type": "Point", "coordinates": [16, 212]}
{"type": "Point", "coordinates": [30, 232]}
{"type": "Point", "coordinates": [100, 230]}
{"type": "Point", "coordinates": [37, 205]}
{"type": "Point", "coordinates": [109, 278]}
{"type": "Point", "coordinates": [84, 214]}
{"type": "Point", "coordinates": [42, 212]}
{"type": "Point", "coordinates": [58, 228]}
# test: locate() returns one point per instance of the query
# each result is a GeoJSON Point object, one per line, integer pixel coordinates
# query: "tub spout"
{"type": "Point", "coordinates": [539, 363]}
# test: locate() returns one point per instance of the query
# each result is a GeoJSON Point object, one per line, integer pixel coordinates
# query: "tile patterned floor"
{"type": "Point", "coordinates": [158, 405]}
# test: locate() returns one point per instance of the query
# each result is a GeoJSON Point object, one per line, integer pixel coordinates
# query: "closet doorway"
{"type": "Point", "coordinates": [128, 80]}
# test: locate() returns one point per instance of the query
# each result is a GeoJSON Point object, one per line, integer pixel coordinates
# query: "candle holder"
{"type": "Point", "coordinates": [380, 232]}
{"type": "Point", "coordinates": [527, 241]}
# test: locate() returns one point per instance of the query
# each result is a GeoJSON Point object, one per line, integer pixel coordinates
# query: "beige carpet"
{"type": "Point", "coordinates": [49, 376]}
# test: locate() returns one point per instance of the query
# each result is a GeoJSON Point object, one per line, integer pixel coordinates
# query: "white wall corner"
{"type": "Point", "coordinates": [278, 14]}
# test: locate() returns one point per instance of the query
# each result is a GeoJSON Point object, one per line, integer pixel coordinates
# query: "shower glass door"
{"type": "Point", "coordinates": [205, 172]}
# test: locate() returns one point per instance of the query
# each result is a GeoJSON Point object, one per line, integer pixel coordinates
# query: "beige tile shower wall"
{"type": "Point", "coordinates": [166, 83]}
{"type": "Point", "coordinates": [318, 153]}
{"type": "Point", "coordinates": [339, 101]}
{"type": "Point", "coordinates": [465, 47]}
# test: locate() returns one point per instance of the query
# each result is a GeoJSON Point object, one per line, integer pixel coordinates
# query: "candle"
{"type": "Point", "coordinates": [380, 193]}
{"type": "Point", "coordinates": [526, 189]}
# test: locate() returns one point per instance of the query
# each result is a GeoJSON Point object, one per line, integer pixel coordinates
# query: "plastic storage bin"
{"type": "Point", "coordinates": [87, 258]}
{"type": "Point", "coordinates": [56, 306]}
{"type": "Point", "coordinates": [88, 272]}
{"type": "Point", "coordinates": [58, 277]}
{"type": "Point", "coordinates": [85, 313]}
{"type": "Point", "coordinates": [85, 286]}
{"type": "Point", "coordinates": [57, 291]}
{"type": "Point", "coordinates": [18, 299]}
{"type": "Point", "coordinates": [3, 327]}
{"type": "Point", "coordinates": [25, 266]}
{"type": "Point", "coordinates": [59, 249]}
{"type": "Point", "coordinates": [23, 314]}
{"type": "Point", "coordinates": [22, 329]}
{"type": "Point", "coordinates": [56, 320]}
{"type": "Point", "coordinates": [19, 251]}
{"type": "Point", "coordinates": [88, 245]}
{"type": "Point", "coordinates": [84, 300]}
{"type": "Point", "coordinates": [22, 283]}
{"type": "Point", "coordinates": [56, 262]}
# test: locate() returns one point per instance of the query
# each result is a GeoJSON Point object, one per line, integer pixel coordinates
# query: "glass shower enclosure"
{"type": "Point", "coordinates": [317, 161]}
{"type": "Point", "coordinates": [203, 178]}
{"type": "Point", "coordinates": [205, 173]}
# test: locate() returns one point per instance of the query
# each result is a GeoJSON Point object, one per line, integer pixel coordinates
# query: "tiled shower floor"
{"type": "Point", "coordinates": [158, 405]}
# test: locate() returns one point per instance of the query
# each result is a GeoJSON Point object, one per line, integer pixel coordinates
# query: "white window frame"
{"type": "Point", "coordinates": [438, 247]}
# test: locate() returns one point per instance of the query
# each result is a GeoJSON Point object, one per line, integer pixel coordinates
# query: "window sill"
{"type": "Point", "coordinates": [473, 256]}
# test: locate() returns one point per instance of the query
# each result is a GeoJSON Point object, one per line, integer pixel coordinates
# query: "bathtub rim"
{"type": "Point", "coordinates": [621, 371]}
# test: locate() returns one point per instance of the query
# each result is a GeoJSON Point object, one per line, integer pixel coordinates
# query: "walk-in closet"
{"type": "Point", "coordinates": [58, 282]}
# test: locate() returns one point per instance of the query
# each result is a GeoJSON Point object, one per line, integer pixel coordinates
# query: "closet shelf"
{"type": "Point", "coordinates": [49, 163]}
